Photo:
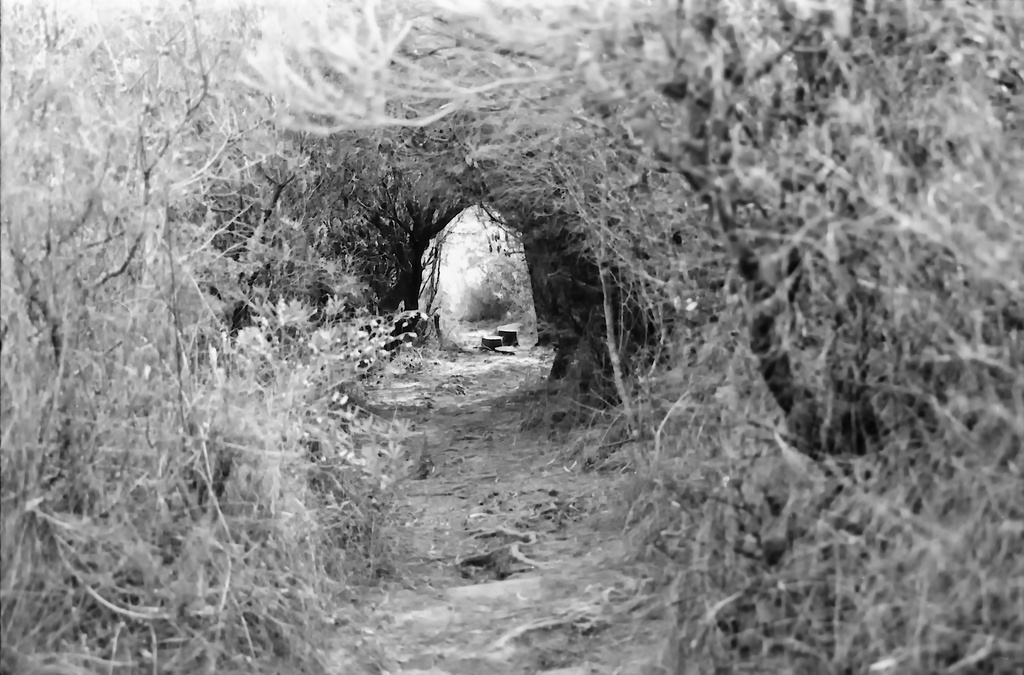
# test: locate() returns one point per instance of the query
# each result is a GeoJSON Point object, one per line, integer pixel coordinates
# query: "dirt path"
{"type": "Point", "coordinates": [516, 561]}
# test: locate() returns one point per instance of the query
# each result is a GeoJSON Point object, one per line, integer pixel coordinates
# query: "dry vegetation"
{"type": "Point", "coordinates": [158, 510]}
{"type": "Point", "coordinates": [810, 230]}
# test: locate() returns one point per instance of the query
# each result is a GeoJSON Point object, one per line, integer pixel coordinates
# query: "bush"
{"type": "Point", "coordinates": [163, 507]}
{"type": "Point", "coordinates": [915, 549]}
{"type": "Point", "coordinates": [879, 540]}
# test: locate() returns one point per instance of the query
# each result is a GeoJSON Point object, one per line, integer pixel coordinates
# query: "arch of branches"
{"type": "Point", "coordinates": [638, 181]}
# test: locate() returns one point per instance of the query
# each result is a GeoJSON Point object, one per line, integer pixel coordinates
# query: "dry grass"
{"type": "Point", "coordinates": [160, 510]}
{"type": "Point", "coordinates": [914, 565]}
{"type": "Point", "coordinates": [168, 522]}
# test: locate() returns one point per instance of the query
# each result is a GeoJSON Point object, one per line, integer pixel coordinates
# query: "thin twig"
{"type": "Point", "coordinates": [613, 351]}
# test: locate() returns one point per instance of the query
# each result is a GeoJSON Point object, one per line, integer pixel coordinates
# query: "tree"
{"type": "Point", "coordinates": [407, 220]}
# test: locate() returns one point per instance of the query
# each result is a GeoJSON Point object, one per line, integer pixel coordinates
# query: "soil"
{"type": "Point", "coordinates": [512, 556]}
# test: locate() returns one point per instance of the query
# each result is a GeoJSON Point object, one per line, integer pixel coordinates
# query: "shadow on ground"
{"type": "Point", "coordinates": [515, 563]}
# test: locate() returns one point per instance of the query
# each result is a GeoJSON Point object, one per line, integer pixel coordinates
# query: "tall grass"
{"type": "Point", "coordinates": [159, 507]}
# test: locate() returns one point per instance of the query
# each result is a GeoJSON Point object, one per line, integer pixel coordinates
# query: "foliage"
{"type": "Point", "coordinates": [377, 210]}
{"type": "Point", "coordinates": [855, 169]}
{"type": "Point", "coordinates": [876, 356]}
{"type": "Point", "coordinates": [840, 152]}
{"type": "Point", "coordinates": [161, 507]}
{"type": "Point", "coordinates": [505, 291]}
{"type": "Point", "coordinates": [486, 275]}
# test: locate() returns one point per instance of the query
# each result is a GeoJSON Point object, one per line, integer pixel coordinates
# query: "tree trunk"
{"type": "Point", "coordinates": [407, 287]}
{"type": "Point", "coordinates": [409, 226]}
{"type": "Point", "coordinates": [566, 289]}
{"type": "Point", "coordinates": [411, 286]}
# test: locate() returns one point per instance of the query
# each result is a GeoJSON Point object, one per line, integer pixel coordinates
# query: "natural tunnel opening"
{"type": "Point", "coordinates": [476, 280]}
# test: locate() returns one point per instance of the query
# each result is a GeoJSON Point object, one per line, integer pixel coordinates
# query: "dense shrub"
{"type": "Point", "coordinates": [162, 506]}
{"type": "Point", "coordinates": [869, 529]}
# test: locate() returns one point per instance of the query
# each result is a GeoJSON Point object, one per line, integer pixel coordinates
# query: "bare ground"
{"type": "Point", "coordinates": [512, 559]}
